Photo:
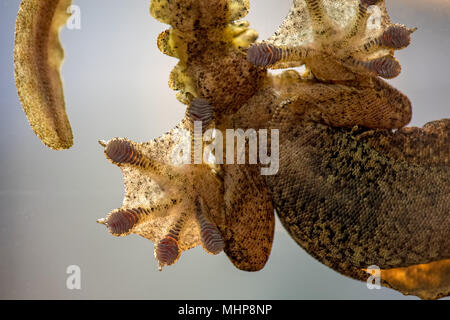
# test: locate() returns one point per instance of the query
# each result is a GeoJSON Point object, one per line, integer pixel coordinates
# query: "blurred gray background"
{"type": "Point", "coordinates": [115, 82]}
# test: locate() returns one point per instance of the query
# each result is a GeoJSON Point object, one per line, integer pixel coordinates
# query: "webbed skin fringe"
{"type": "Point", "coordinates": [351, 190]}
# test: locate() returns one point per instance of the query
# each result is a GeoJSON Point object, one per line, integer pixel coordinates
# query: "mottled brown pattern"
{"type": "Point", "coordinates": [339, 195]}
{"type": "Point", "coordinates": [341, 200]}
{"type": "Point", "coordinates": [355, 187]}
{"type": "Point", "coordinates": [249, 218]}
{"type": "Point", "coordinates": [373, 104]}
{"type": "Point", "coordinates": [37, 59]}
{"type": "Point", "coordinates": [210, 46]}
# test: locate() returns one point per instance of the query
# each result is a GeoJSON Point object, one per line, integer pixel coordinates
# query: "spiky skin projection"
{"type": "Point", "coordinates": [350, 190]}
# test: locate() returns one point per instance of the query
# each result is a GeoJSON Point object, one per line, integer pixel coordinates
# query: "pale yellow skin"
{"type": "Point", "coordinates": [37, 57]}
{"type": "Point", "coordinates": [338, 100]}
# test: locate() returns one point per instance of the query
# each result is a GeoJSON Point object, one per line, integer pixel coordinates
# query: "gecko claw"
{"type": "Point", "coordinates": [103, 143]}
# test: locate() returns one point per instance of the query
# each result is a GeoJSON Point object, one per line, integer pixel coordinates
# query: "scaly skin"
{"type": "Point", "coordinates": [37, 58]}
{"type": "Point", "coordinates": [350, 190]}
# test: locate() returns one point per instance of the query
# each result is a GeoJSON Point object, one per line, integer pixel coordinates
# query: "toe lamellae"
{"type": "Point", "coordinates": [121, 222]}
{"type": "Point", "coordinates": [267, 55]}
{"type": "Point", "coordinates": [201, 110]}
{"type": "Point", "coordinates": [396, 37]}
{"type": "Point", "coordinates": [167, 250]}
{"type": "Point", "coordinates": [121, 151]}
{"type": "Point", "coordinates": [211, 238]}
{"type": "Point", "coordinates": [386, 67]}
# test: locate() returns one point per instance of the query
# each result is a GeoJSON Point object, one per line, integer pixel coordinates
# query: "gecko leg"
{"type": "Point", "coordinates": [38, 56]}
{"type": "Point", "coordinates": [211, 238]}
{"type": "Point", "coordinates": [120, 222]}
{"type": "Point", "coordinates": [267, 55]}
{"type": "Point", "coordinates": [396, 37]}
{"type": "Point", "coordinates": [123, 152]}
{"type": "Point", "coordinates": [379, 106]}
{"type": "Point", "coordinates": [167, 251]}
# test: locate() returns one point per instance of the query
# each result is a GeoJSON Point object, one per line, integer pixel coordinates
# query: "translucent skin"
{"type": "Point", "coordinates": [351, 191]}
